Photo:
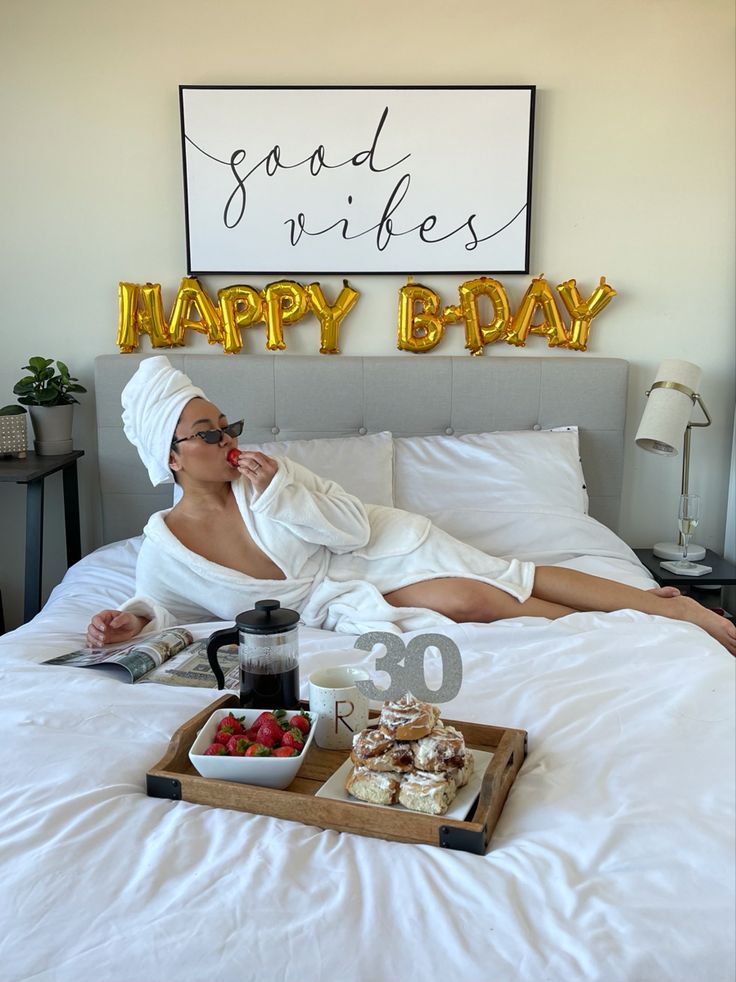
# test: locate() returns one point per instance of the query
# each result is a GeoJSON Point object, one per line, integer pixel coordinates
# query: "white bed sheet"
{"type": "Point", "coordinates": [612, 860]}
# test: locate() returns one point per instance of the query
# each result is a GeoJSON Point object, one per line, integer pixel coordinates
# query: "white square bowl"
{"type": "Point", "coordinates": [266, 772]}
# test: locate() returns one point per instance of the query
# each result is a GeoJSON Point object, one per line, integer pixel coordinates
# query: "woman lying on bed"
{"type": "Point", "coordinates": [270, 527]}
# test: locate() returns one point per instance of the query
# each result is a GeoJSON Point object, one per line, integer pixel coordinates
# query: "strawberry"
{"type": "Point", "coordinates": [272, 715]}
{"type": "Point", "coordinates": [301, 722]}
{"type": "Point", "coordinates": [223, 736]}
{"type": "Point", "coordinates": [270, 730]}
{"type": "Point", "coordinates": [286, 752]}
{"type": "Point", "coordinates": [252, 733]}
{"type": "Point", "coordinates": [293, 738]}
{"type": "Point", "coordinates": [258, 750]}
{"type": "Point", "coordinates": [237, 745]}
{"type": "Point", "coordinates": [233, 456]}
{"type": "Point", "coordinates": [216, 750]}
{"type": "Point", "coordinates": [233, 724]}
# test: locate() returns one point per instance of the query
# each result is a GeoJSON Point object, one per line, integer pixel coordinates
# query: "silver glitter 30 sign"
{"type": "Point", "coordinates": [404, 664]}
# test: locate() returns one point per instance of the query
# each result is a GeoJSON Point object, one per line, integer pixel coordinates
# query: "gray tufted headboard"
{"type": "Point", "coordinates": [299, 397]}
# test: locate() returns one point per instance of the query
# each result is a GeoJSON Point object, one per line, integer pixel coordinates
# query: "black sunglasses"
{"type": "Point", "coordinates": [214, 436]}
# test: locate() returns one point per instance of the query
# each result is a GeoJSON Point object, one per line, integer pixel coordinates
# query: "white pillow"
{"type": "Point", "coordinates": [363, 465]}
{"type": "Point", "coordinates": [541, 537]}
{"type": "Point", "coordinates": [519, 493]}
{"type": "Point", "coordinates": [519, 470]}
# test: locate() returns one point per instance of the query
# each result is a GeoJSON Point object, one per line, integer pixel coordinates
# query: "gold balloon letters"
{"type": "Point", "coordinates": [419, 331]}
{"type": "Point", "coordinates": [422, 329]}
{"type": "Point", "coordinates": [331, 317]}
{"type": "Point", "coordinates": [238, 307]}
{"type": "Point", "coordinates": [422, 320]}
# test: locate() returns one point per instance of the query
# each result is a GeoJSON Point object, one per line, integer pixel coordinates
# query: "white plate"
{"type": "Point", "coordinates": [464, 800]}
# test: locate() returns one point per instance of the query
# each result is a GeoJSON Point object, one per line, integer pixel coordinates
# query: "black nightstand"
{"type": "Point", "coordinates": [33, 471]}
{"type": "Point", "coordinates": [724, 574]}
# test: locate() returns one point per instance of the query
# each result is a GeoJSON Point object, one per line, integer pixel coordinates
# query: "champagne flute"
{"type": "Point", "coordinates": [688, 518]}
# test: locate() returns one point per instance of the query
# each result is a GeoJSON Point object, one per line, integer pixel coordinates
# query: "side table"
{"type": "Point", "coordinates": [33, 471]}
{"type": "Point", "coordinates": [724, 573]}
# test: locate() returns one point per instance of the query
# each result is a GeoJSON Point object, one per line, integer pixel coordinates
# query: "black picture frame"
{"type": "Point", "coordinates": [473, 128]}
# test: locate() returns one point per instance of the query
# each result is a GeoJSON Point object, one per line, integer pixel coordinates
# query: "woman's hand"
{"type": "Point", "coordinates": [114, 627]}
{"type": "Point", "coordinates": [257, 468]}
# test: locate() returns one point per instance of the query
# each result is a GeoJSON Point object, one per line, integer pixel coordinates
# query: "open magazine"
{"type": "Point", "coordinates": [172, 657]}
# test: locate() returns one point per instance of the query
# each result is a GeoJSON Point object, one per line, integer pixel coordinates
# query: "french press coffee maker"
{"type": "Point", "coordinates": [268, 656]}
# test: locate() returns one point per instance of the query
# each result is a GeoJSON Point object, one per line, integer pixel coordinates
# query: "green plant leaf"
{"type": "Point", "coordinates": [44, 386]}
{"type": "Point", "coordinates": [12, 410]}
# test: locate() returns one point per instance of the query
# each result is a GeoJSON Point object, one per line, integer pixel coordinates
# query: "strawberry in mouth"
{"type": "Point", "coordinates": [233, 456]}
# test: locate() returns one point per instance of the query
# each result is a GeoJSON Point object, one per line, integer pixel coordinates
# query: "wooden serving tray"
{"type": "Point", "coordinates": [174, 777]}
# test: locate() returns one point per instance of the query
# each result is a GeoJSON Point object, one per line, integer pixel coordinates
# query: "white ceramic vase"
{"type": "Point", "coordinates": [52, 429]}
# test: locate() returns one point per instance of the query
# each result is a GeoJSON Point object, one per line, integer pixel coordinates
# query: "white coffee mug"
{"type": "Point", "coordinates": [342, 708]}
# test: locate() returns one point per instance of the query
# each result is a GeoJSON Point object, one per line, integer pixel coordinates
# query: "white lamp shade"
{"type": "Point", "coordinates": [668, 411]}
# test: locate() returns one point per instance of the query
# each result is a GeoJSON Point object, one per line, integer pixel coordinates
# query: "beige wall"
{"type": "Point", "coordinates": [633, 179]}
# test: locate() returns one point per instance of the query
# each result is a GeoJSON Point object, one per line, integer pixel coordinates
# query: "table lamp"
{"type": "Point", "coordinates": [666, 421]}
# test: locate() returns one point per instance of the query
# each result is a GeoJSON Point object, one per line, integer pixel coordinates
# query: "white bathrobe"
{"type": "Point", "coordinates": [339, 557]}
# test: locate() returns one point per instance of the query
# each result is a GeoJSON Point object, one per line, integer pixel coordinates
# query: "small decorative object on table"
{"type": "Point", "coordinates": [49, 395]}
{"type": "Point", "coordinates": [13, 431]}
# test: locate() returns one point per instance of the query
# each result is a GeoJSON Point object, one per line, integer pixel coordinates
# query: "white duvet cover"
{"type": "Point", "coordinates": [613, 858]}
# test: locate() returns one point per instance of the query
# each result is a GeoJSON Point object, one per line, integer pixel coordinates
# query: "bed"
{"type": "Point", "coordinates": [613, 858]}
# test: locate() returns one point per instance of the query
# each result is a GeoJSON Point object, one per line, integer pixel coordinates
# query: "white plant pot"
{"type": "Point", "coordinates": [52, 429]}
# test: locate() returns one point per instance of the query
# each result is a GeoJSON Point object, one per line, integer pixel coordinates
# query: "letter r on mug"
{"type": "Point", "coordinates": [342, 716]}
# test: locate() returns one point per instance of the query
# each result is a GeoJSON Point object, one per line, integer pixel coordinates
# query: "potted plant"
{"type": "Point", "coordinates": [49, 396]}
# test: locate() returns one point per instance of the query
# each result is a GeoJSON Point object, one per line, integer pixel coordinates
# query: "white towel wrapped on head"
{"type": "Point", "coordinates": [153, 401]}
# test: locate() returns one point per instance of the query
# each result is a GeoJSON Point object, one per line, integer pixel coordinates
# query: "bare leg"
{"type": "Point", "coordinates": [559, 585]}
{"type": "Point", "coordinates": [586, 592]}
{"type": "Point", "coordinates": [556, 592]}
{"type": "Point", "coordinates": [472, 601]}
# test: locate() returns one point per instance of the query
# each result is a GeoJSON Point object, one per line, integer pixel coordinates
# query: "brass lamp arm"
{"type": "Point", "coordinates": [694, 396]}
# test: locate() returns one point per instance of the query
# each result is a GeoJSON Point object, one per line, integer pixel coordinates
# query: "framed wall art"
{"type": "Point", "coordinates": [358, 179]}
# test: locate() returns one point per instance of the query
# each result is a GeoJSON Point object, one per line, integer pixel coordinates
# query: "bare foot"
{"type": "Point", "coordinates": [665, 591]}
{"type": "Point", "coordinates": [720, 628]}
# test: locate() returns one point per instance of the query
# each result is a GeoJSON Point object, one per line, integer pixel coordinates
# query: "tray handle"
{"type": "Point", "coordinates": [498, 778]}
